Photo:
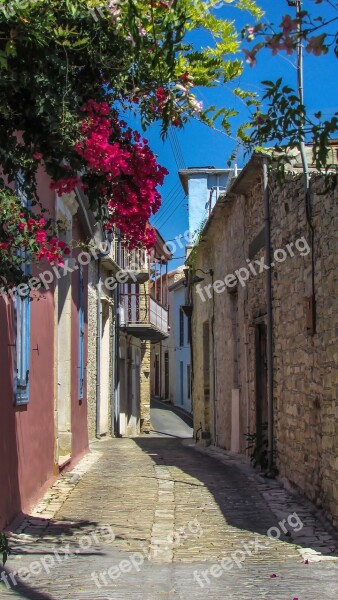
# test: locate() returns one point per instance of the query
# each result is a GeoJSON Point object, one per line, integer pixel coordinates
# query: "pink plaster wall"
{"type": "Point", "coordinates": [27, 433]}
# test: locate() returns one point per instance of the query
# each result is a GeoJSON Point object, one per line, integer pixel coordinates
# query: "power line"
{"type": "Point", "coordinates": [171, 208]}
{"type": "Point", "coordinates": [166, 201]}
{"type": "Point", "coordinates": [176, 143]}
{"type": "Point", "coordinates": [173, 149]}
{"type": "Point", "coordinates": [168, 206]}
{"type": "Point", "coordinates": [175, 209]}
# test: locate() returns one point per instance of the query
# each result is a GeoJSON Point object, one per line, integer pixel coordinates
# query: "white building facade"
{"type": "Point", "coordinates": [171, 357]}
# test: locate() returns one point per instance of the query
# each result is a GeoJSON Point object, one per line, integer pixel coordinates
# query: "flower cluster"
{"type": "Point", "coordinates": [287, 39]}
{"type": "Point", "coordinates": [24, 233]}
{"type": "Point", "coordinates": [123, 170]}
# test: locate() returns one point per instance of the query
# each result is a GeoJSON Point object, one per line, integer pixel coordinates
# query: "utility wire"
{"type": "Point", "coordinates": [175, 209]}
{"type": "Point", "coordinates": [168, 203]}
{"type": "Point", "coordinates": [181, 160]}
{"type": "Point", "coordinates": [173, 205]}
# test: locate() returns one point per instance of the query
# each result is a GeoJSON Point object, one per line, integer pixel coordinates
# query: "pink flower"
{"type": "Point", "coordinates": [316, 45]}
{"type": "Point", "coordinates": [37, 155]}
{"type": "Point", "coordinates": [31, 223]}
{"type": "Point", "coordinates": [250, 56]}
{"type": "Point", "coordinates": [288, 45]}
{"type": "Point", "coordinates": [288, 24]}
{"type": "Point", "coordinates": [40, 237]}
{"type": "Point", "coordinates": [273, 42]}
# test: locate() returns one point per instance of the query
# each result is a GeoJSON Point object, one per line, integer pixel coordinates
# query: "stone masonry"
{"type": "Point", "coordinates": [145, 387]}
{"type": "Point", "coordinates": [304, 364]}
{"type": "Point", "coordinates": [166, 529]}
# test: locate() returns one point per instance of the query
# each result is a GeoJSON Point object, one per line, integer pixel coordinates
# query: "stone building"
{"type": "Point", "coordinates": [263, 286]}
{"type": "Point", "coordinates": [143, 322]}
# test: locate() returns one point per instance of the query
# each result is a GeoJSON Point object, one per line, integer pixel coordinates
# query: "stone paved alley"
{"type": "Point", "coordinates": [176, 523]}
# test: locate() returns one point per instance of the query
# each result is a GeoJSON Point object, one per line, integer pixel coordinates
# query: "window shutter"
{"type": "Point", "coordinates": [22, 313]}
{"type": "Point", "coordinates": [22, 355]}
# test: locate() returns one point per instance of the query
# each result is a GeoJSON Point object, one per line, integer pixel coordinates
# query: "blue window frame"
{"type": "Point", "coordinates": [22, 317]}
{"type": "Point", "coordinates": [81, 333]}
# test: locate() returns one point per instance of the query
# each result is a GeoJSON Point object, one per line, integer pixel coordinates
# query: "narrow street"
{"type": "Point", "coordinates": [152, 517]}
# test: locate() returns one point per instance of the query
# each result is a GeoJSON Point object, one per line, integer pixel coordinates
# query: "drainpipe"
{"type": "Point", "coordinates": [246, 370]}
{"type": "Point", "coordinates": [213, 358]}
{"type": "Point", "coordinates": [98, 350]}
{"type": "Point", "coordinates": [268, 291]}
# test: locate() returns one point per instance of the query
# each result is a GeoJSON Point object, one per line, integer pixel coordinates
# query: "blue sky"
{"type": "Point", "coordinates": [198, 145]}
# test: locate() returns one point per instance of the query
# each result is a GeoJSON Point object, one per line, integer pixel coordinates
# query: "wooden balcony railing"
{"type": "Point", "coordinates": [129, 260]}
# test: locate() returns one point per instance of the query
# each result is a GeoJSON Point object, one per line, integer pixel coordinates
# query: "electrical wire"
{"type": "Point", "coordinates": [168, 214]}
{"type": "Point", "coordinates": [175, 209]}
{"type": "Point", "coordinates": [169, 208]}
{"type": "Point", "coordinates": [166, 203]}
{"type": "Point", "coordinates": [179, 153]}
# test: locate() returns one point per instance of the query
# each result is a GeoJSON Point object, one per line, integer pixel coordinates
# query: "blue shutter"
{"type": "Point", "coordinates": [22, 315]}
{"type": "Point", "coordinates": [22, 349]}
{"type": "Point", "coordinates": [81, 333]}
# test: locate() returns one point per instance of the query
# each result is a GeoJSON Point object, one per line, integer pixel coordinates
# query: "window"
{"type": "Point", "coordinates": [81, 333]}
{"type": "Point", "coordinates": [181, 382]}
{"type": "Point", "coordinates": [181, 327]}
{"type": "Point", "coordinates": [22, 349]}
{"type": "Point", "coordinates": [189, 381]}
{"type": "Point", "coordinates": [22, 330]}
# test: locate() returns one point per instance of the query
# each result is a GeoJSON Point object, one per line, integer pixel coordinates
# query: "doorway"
{"type": "Point", "coordinates": [157, 375]}
{"type": "Point", "coordinates": [181, 382]}
{"type": "Point", "coordinates": [261, 377]}
{"type": "Point", "coordinates": [166, 375]}
{"type": "Point", "coordinates": [105, 369]}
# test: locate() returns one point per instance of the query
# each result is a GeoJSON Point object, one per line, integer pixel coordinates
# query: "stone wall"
{"type": "Point", "coordinates": [145, 389]}
{"type": "Point", "coordinates": [107, 305]}
{"type": "Point", "coordinates": [222, 251]}
{"type": "Point", "coordinates": [305, 365]}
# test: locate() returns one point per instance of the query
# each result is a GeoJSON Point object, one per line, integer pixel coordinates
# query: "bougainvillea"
{"type": "Point", "coordinates": [25, 236]}
{"type": "Point", "coordinates": [121, 170]}
{"type": "Point", "coordinates": [125, 169]}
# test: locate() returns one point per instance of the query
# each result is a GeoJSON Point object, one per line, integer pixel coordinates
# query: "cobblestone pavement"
{"type": "Point", "coordinates": [153, 518]}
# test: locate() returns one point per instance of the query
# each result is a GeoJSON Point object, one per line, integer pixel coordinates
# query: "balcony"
{"type": "Point", "coordinates": [143, 317]}
{"type": "Point", "coordinates": [133, 265]}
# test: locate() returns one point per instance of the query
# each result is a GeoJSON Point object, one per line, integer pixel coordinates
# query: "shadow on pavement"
{"type": "Point", "coordinates": [237, 496]}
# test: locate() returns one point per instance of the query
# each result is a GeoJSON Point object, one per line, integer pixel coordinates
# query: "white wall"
{"type": "Point", "coordinates": [181, 353]}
